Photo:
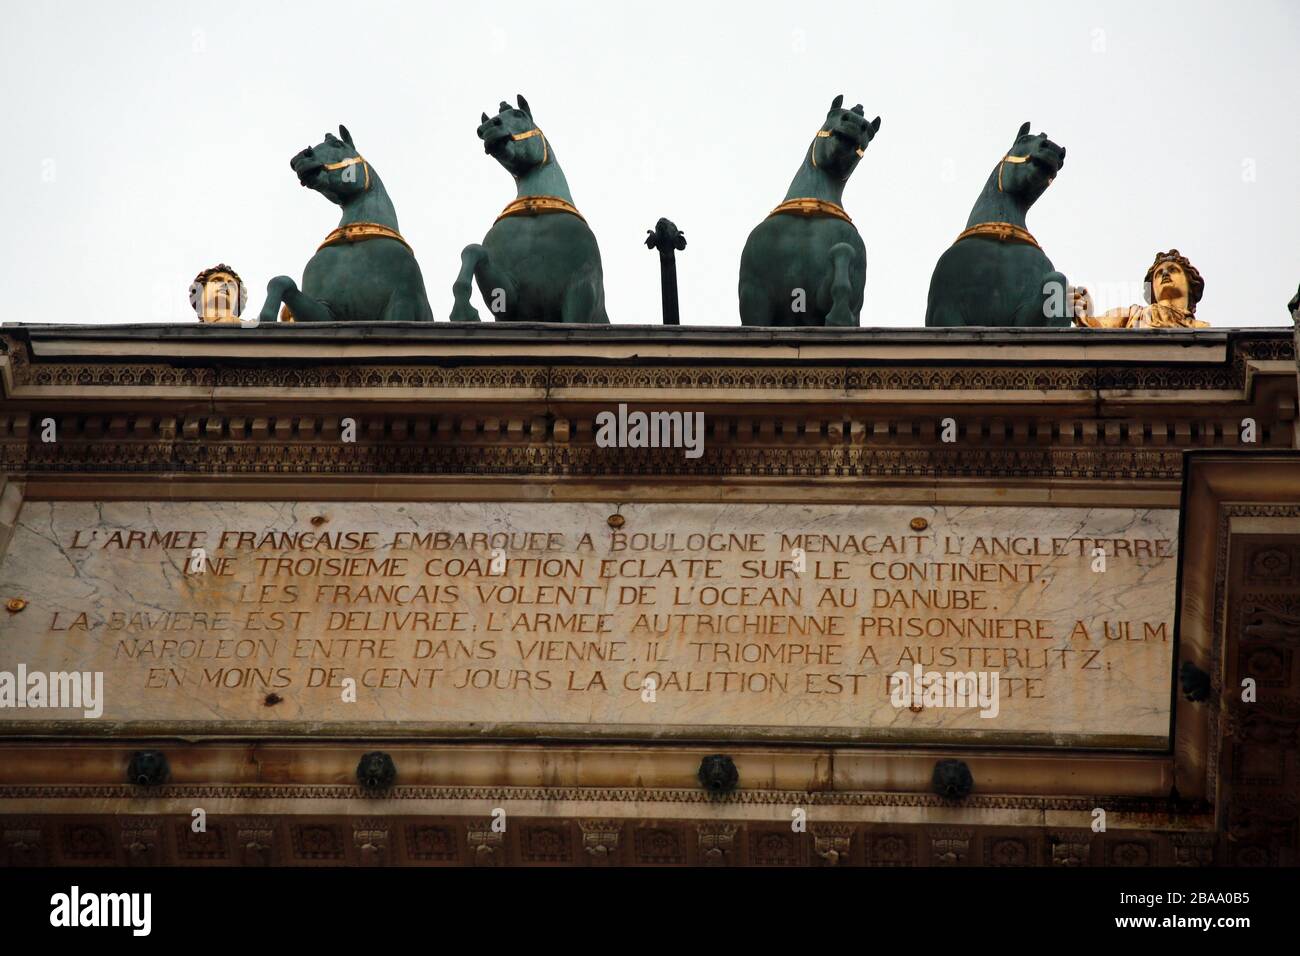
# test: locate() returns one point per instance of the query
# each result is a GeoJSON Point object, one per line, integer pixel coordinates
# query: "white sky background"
{"type": "Point", "coordinates": [145, 142]}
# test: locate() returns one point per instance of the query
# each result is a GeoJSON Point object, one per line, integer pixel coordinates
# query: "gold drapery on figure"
{"type": "Point", "coordinates": [1155, 316]}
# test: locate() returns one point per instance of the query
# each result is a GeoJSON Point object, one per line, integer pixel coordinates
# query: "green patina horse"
{"type": "Point", "coordinates": [364, 271]}
{"type": "Point", "coordinates": [539, 262]}
{"type": "Point", "coordinates": [805, 264]}
{"type": "Point", "coordinates": [995, 273]}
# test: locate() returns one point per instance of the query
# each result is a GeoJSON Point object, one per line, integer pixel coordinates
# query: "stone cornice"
{"type": "Point", "coordinates": [749, 365]}
{"type": "Point", "coordinates": [545, 344]}
{"type": "Point", "coordinates": [520, 401]}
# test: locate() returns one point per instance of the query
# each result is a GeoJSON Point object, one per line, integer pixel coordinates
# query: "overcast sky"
{"type": "Point", "coordinates": [146, 141]}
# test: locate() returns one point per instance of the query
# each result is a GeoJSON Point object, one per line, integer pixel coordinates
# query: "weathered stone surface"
{"type": "Point", "coordinates": [561, 636]}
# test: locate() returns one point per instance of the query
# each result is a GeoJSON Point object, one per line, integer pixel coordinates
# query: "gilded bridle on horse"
{"type": "Point", "coordinates": [823, 134]}
{"type": "Point", "coordinates": [1003, 231]}
{"type": "Point", "coordinates": [535, 131]}
{"type": "Point", "coordinates": [342, 164]}
{"type": "Point", "coordinates": [537, 205]}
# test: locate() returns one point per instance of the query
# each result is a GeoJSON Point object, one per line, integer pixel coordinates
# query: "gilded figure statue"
{"type": "Point", "coordinates": [217, 295]}
{"type": "Point", "coordinates": [1172, 288]}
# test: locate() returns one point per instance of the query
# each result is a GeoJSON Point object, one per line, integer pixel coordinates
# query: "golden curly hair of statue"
{"type": "Point", "coordinates": [1195, 284]}
{"type": "Point", "coordinates": [200, 280]}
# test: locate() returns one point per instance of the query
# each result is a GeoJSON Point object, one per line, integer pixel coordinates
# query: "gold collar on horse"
{"type": "Point", "coordinates": [809, 206]}
{"type": "Point", "coordinates": [537, 205]}
{"type": "Point", "coordinates": [359, 232]}
{"type": "Point", "coordinates": [1002, 231]}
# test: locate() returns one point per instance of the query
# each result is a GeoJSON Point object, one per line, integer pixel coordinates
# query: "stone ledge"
{"type": "Point", "coordinates": [637, 342]}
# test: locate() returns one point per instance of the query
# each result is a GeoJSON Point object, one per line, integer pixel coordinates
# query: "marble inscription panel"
{"type": "Point", "coordinates": [702, 621]}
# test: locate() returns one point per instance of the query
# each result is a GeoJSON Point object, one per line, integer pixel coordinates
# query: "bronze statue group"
{"type": "Point", "coordinates": [803, 265]}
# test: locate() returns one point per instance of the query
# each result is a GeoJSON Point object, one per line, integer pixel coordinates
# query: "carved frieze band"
{"type": "Point", "coordinates": [250, 458]}
{"type": "Point", "coordinates": [778, 798]}
{"type": "Point", "coordinates": [379, 841]}
{"type": "Point", "coordinates": [547, 445]}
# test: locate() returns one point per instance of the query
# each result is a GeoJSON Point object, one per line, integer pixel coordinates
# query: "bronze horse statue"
{"type": "Point", "coordinates": [805, 264]}
{"type": "Point", "coordinates": [539, 261]}
{"type": "Point", "coordinates": [995, 273]}
{"type": "Point", "coordinates": [364, 271]}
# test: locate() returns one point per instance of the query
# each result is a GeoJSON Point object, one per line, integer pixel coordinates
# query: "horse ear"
{"type": "Point", "coordinates": [485, 117]}
{"type": "Point", "coordinates": [837, 102]}
{"type": "Point", "coordinates": [875, 126]}
{"type": "Point", "coordinates": [347, 137]}
{"type": "Point", "coordinates": [503, 107]}
{"type": "Point", "coordinates": [1024, 129]}
{"type": "Point", "coordinates": [523, 104]}
{"type": "Point", "coordinates": [858, 109]}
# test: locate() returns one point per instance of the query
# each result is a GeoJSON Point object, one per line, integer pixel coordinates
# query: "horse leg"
{"type": "Point", "coordinates": [307, 309]}
{"type": "Point", "coordinates": [579, 303]}
{"type": "Point", "coordinates": [755, 306]}
{"type": "Point", "coordinates": [841, 312]}
{"type": "Point", "coordinates": [284, 290]}
{"type": "Point", "coordinates": [496, 286]}
{"type": "Point", "coordinates": [462, 310]}
{"type": "Point", "coordinates": [276, 290]}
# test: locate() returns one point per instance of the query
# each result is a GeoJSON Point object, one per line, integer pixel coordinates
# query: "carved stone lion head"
{"type": "Point", "coordinates": [718, 774]}
{"type": "Point", "coordinates": [376, 771]}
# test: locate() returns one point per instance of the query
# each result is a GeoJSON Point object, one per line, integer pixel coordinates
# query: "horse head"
{"type": "Point", "coordinates": [1029, 166]}
{"type": "Point", "coordinates": [842, 140]}
{"type": "Point", "coordinates": [333, 168]}
{"type": "Point", "coordinates": [513, 139]}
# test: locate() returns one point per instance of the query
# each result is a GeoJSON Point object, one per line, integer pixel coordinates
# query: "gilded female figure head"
{"type": "Point", "coordinates": [1172, 277]}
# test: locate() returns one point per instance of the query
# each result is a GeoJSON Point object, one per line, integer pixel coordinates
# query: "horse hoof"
{"type": "Point", "coordinates": [464, 313]}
